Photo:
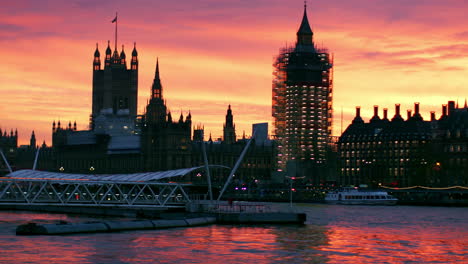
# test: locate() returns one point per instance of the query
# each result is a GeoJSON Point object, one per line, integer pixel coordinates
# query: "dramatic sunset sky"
{"type": "Point", "coordinates": [213, 53]}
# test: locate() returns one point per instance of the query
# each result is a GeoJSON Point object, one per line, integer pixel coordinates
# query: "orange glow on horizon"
{"type": "Point", "coordinates": [216, 54]}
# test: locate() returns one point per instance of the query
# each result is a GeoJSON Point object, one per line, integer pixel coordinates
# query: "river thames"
{"type": "Point", "coordinates": [332, 234]}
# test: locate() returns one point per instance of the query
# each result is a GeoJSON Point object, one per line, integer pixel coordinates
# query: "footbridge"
{"type": "Point", "coordinates": [32, 187]}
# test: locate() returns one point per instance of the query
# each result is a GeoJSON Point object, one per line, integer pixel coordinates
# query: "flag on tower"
{"type": "Point", "coordinates": [115, 19]}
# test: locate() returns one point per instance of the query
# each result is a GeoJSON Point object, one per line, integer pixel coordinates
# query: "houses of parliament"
{"type": "Point", "coordinates": [383, 151]}
{"type": "Point", "coordinates": [120, 141]}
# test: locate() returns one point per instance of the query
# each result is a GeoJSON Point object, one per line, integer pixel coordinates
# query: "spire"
{"type": "Point", "coordinates": [96, 52]}
{"type": "Point", "coordinates": [123, 57]}
{"type": "Point", "coordinates": [156, 89]}
{"type": "Point", "coordinates": [107, 60]}
{"type": "Point", "coordinates": [229, 118]}
{"type": "Point", "coordinates": [32, 141]}
{"type": "Point", "coordinates": [181, 118]}
{"type": "Point", "coordinates": [134, 63]}
{"type": "Point", "coordinates": [122, 53]}
{"type": "Point", "coordinates": [156, 75]}
{"type": "Point", "coordinates": [304, 34]}
{"type": "Point", "coordinates": [108, 50]}
{"type": "Point", "coordinates": [134, 52]}
{"type": "Point", "coordinates": [97, 59]}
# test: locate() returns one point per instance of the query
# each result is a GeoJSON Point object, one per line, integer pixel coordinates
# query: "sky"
{"type": "Point", "coordinates": [214, 53]}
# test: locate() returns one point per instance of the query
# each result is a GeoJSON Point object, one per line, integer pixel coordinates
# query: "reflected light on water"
{"type": "Point", "coordinates": [333, 234]}
{"type": "Point", "coordinates": [410, 244]}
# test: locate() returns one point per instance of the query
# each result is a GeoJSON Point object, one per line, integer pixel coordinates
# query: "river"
{"type": "Point", "coordinates": [332, 234]}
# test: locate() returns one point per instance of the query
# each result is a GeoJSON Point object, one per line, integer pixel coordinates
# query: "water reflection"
{"type": "Point", "coordinates": [333, 234]}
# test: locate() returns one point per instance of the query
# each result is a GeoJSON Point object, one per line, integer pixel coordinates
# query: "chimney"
{"type": "Point", "coordinates": [376, 110]}
{"type": "Point", "coordinates": [416, 108]}
{"type": "Point", "coordinates": [385, 113]}
{"type": "Point", "coordinates": [444, 110]}
{"type": "Point", "coordinates": [397, 109]}
{"type": "Point", "coordinates": [358, 111]}
{"type": "Point", "coordinates": [433, 118]}
{"type": "Point", "coordinates": [451, 107]}
{"type": "Point", "coordinates": [408, 114]}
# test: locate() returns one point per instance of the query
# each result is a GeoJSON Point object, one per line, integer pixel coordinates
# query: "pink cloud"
{"type": "Point", "coordinates": [215, 53]}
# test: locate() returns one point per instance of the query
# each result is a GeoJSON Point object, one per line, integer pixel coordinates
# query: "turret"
{"type": "Point", "coordinates": [32, 141]}
{"type": "Point", "coordinates": [123, 57]}
{"type": "Point", "coordinates": [97, 59]}
{"type": "Point", "coordinates": [107, 61]}
{"type": "Point", "coordinates": [134, 63]}
{"type": "Point", "coordinates": [53, 126]}
{"type": "Point", "coordinates": [189, 118]}
{"type": "Point", "coordinates": [74, 126]}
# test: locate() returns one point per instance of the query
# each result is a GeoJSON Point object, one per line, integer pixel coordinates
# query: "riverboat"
{"type": "Point", "coordinates": [355, 196]}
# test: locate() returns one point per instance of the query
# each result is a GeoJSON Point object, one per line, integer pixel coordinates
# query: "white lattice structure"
{"type": "Point", "coordinates": [138, 189]}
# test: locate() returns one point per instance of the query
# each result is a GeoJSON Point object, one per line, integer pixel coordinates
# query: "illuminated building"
{"type": "Point", "coordinates": [409, 152]}
{"type": "Point", "coordinates": [302, 104]}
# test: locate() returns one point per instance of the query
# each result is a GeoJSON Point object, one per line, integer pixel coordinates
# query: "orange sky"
{"type": "Point", "coordinates": [214, 53]}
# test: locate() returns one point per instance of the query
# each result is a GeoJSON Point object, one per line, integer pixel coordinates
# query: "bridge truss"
{"type": "Point", "coordinates": [92, 193]}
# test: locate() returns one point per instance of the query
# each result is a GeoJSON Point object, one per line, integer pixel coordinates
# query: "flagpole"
{"type": "Point", "coordinates": [116, 21]}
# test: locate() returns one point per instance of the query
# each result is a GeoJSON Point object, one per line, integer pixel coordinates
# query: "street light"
{"type": "Point", "coordinates": [291, 187]}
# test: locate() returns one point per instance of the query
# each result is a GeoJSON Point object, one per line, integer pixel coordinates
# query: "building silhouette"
{"type": "Point", "coordinates": [115, 87]}
{"type": "Point", "coordinates": [9, 145]}
{"type": "Point", "coordinates": [229, 128]}
{"type": "Point", "coordinates": [409, 152]}
{"type": "Point", "coordinates": [166, 143]}
{"type": "Point", "coordinates": [302, 105]}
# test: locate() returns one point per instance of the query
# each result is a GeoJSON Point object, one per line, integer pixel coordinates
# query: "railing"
{"type": "Point", "coordinates": [87, 193]}
{"type": "Point", "coordinates": [242, 208]}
